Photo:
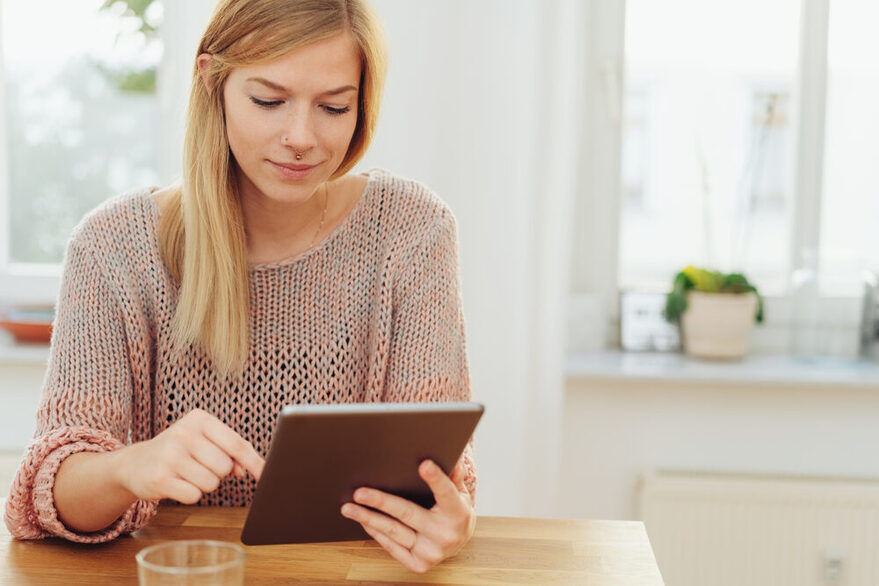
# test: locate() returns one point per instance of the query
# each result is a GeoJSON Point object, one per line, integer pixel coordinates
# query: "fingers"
{"type": "Point", "coordinates": [444, 490]}
{"type": "Point", "coordinates": [392, 528]}
{"type": "Point", "coordinates": [212, 457]}
{"type": "Point", "coordinates": [458, 477]}
{"type": "Point", "coordinates": [182, 491]}
{"type": "Point", "coordinates": [416, 537]}
{"type": "Point", "coordinates": [418, 555]}
{"type": "Point", "coordinates": [233, 444]}
{"type": "Point", "coordinates": [199, 476]}
{"type": "Point", "coordinates": [398, 552]}
{"type": "Point", "coordinates": [399, 508]}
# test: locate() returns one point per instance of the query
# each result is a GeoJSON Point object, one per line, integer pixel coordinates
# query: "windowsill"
{"type": "Point", "coordinates": [643, 366]}
{"type": "Point", "coordinates": [753, 370]}
{"type": "Point", "coordinates": [12, 354]}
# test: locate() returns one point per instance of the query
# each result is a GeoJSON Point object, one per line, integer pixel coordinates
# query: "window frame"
{"type": "Point", "coordinates": [809, 132]}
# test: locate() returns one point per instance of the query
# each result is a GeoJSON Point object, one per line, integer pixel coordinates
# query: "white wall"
{"type": "Point", "coordinates": [20, 386]}
{"type": "Point", "coordinates": [615, 430]}
{"type": "Point", "coordinates": [484, 104]}
{"type": "Point", "coordinates": [457, 115]}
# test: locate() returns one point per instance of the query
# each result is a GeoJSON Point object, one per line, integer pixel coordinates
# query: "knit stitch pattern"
{"type": "Point", "coordinates": [370, 314]}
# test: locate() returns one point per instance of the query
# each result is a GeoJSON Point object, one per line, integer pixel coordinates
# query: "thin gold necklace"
{"type": "Point", "coordinates": [323, 215]}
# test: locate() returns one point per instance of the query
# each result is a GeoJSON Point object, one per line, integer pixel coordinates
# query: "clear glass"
{"type": "Point", "coordinates": [81, 113]}
{"type": "Point", "coordinates": [191, 563]}
{"type": "Point", "coordinates": [850, 203]}
{"type": "Point", "coordinates": [708, 127]}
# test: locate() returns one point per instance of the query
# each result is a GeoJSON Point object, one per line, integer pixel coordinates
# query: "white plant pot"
{"type": "Point", "coordinates": [718, 325]}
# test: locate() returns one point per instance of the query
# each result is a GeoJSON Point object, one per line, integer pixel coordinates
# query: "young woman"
{"type": "Point", "coordinates": [190, 315]}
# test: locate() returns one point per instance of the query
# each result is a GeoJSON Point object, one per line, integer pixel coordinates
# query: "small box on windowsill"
{"type": "Point", "coordinates": [642, 325]}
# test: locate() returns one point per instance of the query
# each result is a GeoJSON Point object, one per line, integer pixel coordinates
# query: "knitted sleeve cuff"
{"type": "Point", "coordinates": [34, 515]}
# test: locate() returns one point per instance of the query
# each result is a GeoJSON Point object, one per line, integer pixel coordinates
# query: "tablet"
{"type": "Point", "coordinates": [320, 454]}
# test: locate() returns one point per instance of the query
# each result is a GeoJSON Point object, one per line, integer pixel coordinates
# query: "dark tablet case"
{"type": "Point", "coordinates": [320, 454]}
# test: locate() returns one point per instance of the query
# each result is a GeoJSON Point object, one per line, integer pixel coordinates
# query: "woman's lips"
{"type": "Point", "coordinates": [293, 170]}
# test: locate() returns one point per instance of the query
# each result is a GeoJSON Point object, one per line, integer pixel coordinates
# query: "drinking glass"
{"type": "Point", "coordinates": [191, 563]}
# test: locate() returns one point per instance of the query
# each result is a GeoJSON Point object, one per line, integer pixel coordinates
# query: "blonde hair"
{"type": "Point", "coordinates": [201, 232]}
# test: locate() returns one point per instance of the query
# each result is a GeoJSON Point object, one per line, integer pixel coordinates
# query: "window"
{"type": "Point", "coordinates": [707, 163]}
{"type": "Point", "coordinates": [79, 125]}
{"type": "Point", "coordinates": [745, 142]}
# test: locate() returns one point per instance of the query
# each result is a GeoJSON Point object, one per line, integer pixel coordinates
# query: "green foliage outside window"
{"type": "Point", "coordinates": [138, 80]}
{"type": "Point", "coordinates": [85, 131]}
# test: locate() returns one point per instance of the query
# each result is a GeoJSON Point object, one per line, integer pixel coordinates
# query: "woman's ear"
{"type": "Point", "coordinates": [203, 62]}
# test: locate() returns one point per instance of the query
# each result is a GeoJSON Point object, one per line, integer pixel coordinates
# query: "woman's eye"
{"type": "Point", "coordinates": [337, 111]}
{"type": "Point", "coordinates": [264, 103]}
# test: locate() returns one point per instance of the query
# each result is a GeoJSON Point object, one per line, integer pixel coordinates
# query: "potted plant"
{"type": "Point", "coordinates": [715, 312]}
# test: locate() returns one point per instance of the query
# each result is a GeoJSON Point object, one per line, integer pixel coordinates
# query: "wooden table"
{"type": "Point", "coordinates": [503, 551]}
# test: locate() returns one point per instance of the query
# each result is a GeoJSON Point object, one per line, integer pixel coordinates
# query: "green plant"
{"type": "Point", "coordinates": [133, 80]}
{"type": "Point", "coordinates": [708, 282]}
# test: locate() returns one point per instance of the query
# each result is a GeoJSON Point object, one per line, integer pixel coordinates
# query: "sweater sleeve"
{"type": "Point", "coordinates": [85, 405]}
{"type": "Point", "coordinates": [428, 359]}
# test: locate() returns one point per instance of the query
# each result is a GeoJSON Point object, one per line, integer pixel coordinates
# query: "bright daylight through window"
{"type": "Point", "coordinates": [708, 136]}
{"type": "Point", "coordinates": [81, 114]}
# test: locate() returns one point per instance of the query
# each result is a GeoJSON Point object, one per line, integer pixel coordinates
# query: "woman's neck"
{"type": "Point", "coordinates": [277, 230]}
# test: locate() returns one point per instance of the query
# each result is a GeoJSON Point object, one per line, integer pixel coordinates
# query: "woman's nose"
{"type": "Point", "coordinates": [298, 132]}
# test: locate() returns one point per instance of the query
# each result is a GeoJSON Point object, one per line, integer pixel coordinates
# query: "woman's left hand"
{"type": "Point", "coordinates": [418, 538]}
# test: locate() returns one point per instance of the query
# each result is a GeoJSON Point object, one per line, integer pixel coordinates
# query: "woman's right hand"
{"type": "Point", "coordinates": [187, 460]}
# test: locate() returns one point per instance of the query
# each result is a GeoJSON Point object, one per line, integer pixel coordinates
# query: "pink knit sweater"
{"type": "Point", "coordinates": [372, 313]}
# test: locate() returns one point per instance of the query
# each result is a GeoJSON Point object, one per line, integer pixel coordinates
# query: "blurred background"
{"type": "Point", "coordinates": [590, 150]}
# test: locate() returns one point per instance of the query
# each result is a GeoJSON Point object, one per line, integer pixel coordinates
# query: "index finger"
{"type": "Point", "coordinates": [233, 444]}
{"type": "Point", "coordinates": [444, 490]}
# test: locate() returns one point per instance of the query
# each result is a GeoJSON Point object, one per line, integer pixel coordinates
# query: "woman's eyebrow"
{"type": "Point", "coordinates": [280, 88]}
{"type": "Point", "coordinates": [269, 84]}
{"type": "Point", "coordinates": [340, 90]}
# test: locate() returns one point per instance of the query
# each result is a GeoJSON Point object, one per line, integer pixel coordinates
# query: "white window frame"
{"type": "Point", "coordinates": [595, 282]}
{"type": "Point", "coordinates": [811, 110]}
{"type": "Point", "coordinates": [594, 306]}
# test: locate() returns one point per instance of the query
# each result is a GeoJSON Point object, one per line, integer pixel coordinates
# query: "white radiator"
{"type": "Point", "coordinates": [719, 530]}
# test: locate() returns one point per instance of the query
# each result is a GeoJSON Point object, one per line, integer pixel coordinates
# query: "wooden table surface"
{"type": "Point", "coordinates": [503, 551]}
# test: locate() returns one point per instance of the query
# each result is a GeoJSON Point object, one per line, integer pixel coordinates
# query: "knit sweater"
{"type": "Point", "coordinates": [371, 313]}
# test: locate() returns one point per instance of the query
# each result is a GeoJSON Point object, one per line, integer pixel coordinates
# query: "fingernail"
{"type": "Point", "coordinates": [347, 510]}
{"type": "Point", "coordinates": [360, 495]}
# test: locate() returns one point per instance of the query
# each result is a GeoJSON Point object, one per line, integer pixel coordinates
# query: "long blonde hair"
{"type": "Point", "coordinates": [201, 232]}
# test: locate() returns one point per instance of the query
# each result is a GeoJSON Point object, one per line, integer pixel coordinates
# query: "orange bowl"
{"type": "Point", "coordinates": [28, 332]}
{"type": "Point", "coordinates": [28, 324]}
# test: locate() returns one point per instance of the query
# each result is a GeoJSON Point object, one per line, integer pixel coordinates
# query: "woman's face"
{"type": "Point", "coordinates": [305, 103]}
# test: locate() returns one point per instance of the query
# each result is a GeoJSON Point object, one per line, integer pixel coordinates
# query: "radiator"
{"type": "Point", "coordinates": [724, 530]}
